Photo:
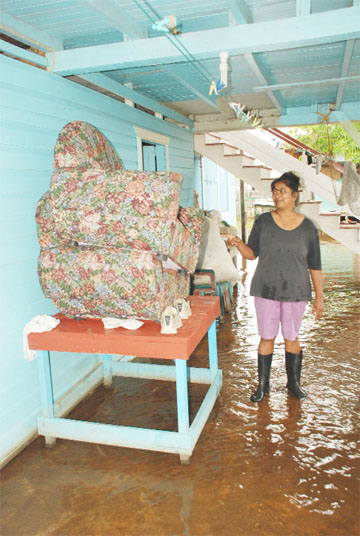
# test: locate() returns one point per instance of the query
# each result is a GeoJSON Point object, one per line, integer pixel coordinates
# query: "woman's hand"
{"type": "Point", "coordinates": [245, 250]}
{"type": "Point", "coordinates": [318, 308]}
{"type": "Point", "coordinates": [318, 305]}
{"type": "Point", "coordinates": [233, 241]}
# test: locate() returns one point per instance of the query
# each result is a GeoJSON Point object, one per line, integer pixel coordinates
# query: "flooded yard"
{"type": "Point", "coordinates": [282, 467]}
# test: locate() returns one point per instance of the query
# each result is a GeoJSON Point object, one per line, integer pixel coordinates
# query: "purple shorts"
{"type": "Point", "coordinates": [270, 314]}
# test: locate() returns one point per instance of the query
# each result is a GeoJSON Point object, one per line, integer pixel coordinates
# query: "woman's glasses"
{"type": "Point", "coordinates": [281, 191]}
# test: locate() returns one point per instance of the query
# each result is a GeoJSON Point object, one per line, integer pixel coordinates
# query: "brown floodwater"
{"type": "Point", "coordinates": [283, 467]}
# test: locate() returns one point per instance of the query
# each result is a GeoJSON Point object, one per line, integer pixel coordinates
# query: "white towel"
{"type": "Point", "coordinates": [127, 323]}
{"type": "Point", "coordinates": [37, 324]}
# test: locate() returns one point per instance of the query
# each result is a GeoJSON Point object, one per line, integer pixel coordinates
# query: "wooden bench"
{"type": "Point", "coordinates": [89, 336]}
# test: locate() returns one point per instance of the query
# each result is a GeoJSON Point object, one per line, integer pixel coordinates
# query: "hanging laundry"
{"type": "Point", "coordinates": [213, 88]}
{"type": "Point", "coordinates": [219, 85]}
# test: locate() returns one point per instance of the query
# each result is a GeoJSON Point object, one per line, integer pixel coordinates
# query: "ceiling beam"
{"type": "Point", "coordinates": [119, 18]}
{"type": "Point", "coordinates": [306, 115]}
{"type": "Point", "coordinates": [259, 71]}
{"type": "Point", "coordinates": [170, 70]}
{"type": "Point", "coordinates": [344, 71]}
{"type": "Point", "coordinates": [28, 34]}
{"type": "Point", "coordinates": [240, 11]}
{"type": "Point", "coordinates": [282, 34]}
{"type": "Point", "coordinates": [17, 52]}
{"type": "Point", "coordinates": [222, 123]}
{"type": "Point", "coordinates": [303, 7]}
{"type": "Point", "coordinates": [115, 87]}
{"type": "Point", "coordinates": [353, 132]}
{"type": "Point", "coordinates": [309, 83]}
{"type": "Point", "coordinates": [301, 115]}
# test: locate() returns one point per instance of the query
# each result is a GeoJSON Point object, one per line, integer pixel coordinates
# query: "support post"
{"type": "Point", "coordinates": [182, 403]}
{"type": "Point", "coordinates": [213, 356]}
{"type": "Point", "coordinates": [107, 370]}
{"type": "Point", "coordinates": [242, 211]}
{"type": "Point", "coordinates": [46, 390]}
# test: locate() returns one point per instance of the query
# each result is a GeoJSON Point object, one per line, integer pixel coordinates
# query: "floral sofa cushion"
{"type": "Point", "coordinates": [124, 209]}
{"type": "Point", "coordinates": [105, 282]}
{"type": "Point", "coordinates": [82, 145]}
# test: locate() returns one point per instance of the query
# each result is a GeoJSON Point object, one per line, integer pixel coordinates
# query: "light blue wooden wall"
{"type": "Point", "coordinates": [35, 105]}
{"type": "Point", "coordinates": [219, 191]}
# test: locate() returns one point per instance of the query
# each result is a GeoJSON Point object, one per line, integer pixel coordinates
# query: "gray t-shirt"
{"type": "Point", "coordinates": [285, 258]}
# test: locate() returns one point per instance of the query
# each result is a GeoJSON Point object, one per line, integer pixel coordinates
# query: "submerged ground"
{"type": "Point", "coordinates": [278, 468]}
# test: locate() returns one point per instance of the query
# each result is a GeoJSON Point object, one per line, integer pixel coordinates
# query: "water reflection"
{"type": "Point", "coordinates": [313, 443]}
{"type": "Point", "coordinates": [283, 467]}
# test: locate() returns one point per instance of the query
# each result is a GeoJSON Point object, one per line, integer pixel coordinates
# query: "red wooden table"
{"type": "Point", "coordinates": [89, 336]}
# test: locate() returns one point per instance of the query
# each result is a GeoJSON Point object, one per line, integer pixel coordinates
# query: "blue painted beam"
{"type": "Point", "coordinates": [303, 7]}
{"type": "Point", "coordinates": [281, 34]}
{"type": "Point", "coordinates": [105, 82]}
{"type": "Point", "coordinates": [344, 71]}
{"type": "Point", "coordinates": [348, 126]}
{"type": "Point", "coordinates": [205, 409]}
{"type": "Point", "coordinates": [159, 372]}
{"type": "Point", "coordinates": [118, 17]}
{"type": "Point", "coordinates": [18, 52]}
{"type": "Point", "coordinates": [262, 77]}
{"type": "Point", "coordinates": [326, 81]}
{"type": "Point", "coordinates": [188, 82]}
{"type": "Point", "coordinates": [305, 115]}
{"type": "Point", "coordinates": [240, 11]}
{"type": "Point", "coordinates": [107, 370]}
{"type": "Point", "coordinates": [26, 33]}
{"type": "Point", "coordinates": [118, 436]}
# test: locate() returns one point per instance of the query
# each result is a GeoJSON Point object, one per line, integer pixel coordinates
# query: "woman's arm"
{"type": "Point", "coordinates": [318, 305]}
{"type": "Point", "coordinates": [245, 250]}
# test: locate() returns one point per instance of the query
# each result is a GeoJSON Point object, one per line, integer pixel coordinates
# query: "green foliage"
{"type": "Point", "coordinates": [329, 139]}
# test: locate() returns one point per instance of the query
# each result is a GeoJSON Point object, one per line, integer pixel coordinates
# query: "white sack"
{"type": "Point", "coordinates": [214, 254]}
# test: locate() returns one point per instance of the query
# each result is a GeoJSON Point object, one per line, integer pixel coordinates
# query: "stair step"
{"type": "Point", "coordinates": [219, 143]}
{"type": "Point", "coordinates": [225, 144]}
{"type": "Point", "coordinates": [258, 167]}
{"type": "Point", "coordinates": [330, 214]}
{"type": "Point", "coordinates": [349, 226]}
{"type": "Point", "coordinates": [243, 155]}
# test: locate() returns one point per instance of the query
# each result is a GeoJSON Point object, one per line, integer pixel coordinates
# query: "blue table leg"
{"type": "Point", "coordinates": [182, 398]}
{"type": "Point", "coordinates": [107, 370]}
{"type": "Point", "coordinates": [213, 356]}
{"type": "Point", "coordinates": [46, 390]}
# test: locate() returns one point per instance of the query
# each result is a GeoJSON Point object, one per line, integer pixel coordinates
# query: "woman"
{"type": "Point", "coordinates": [288, 248]}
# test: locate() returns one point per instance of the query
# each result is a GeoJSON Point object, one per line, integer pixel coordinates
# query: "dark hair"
{"type": "Point", "coordinates": [291, 180]}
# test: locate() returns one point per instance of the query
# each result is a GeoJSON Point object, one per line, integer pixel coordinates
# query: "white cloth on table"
{"type": "Point", "coordinates": [37, 324]}
{"type": "Point", "coordinates": [127, 323]}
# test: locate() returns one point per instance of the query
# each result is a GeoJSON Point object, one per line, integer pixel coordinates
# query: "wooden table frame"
{"type": "Point", "coordinates": [89, 336]}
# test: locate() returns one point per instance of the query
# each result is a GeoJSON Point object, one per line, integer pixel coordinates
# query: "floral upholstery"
{"type": "Point", "coordinates": [82, 145]}
{"type": "Point", "coordinates": [126, 209]}
{"type": "Point", "coordinates": [101, 229]}
{"type": "Point", "coordinates": [108, 282]}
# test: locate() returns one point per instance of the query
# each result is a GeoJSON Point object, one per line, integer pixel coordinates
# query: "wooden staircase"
{"type": "Point", "coordinates": [237, 151]}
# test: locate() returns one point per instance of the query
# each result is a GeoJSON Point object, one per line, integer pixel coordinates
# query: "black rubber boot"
{"type": "Point", "coordinates": [293, 371]}
{"type": "Point", "coordinates": [264, 367]}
